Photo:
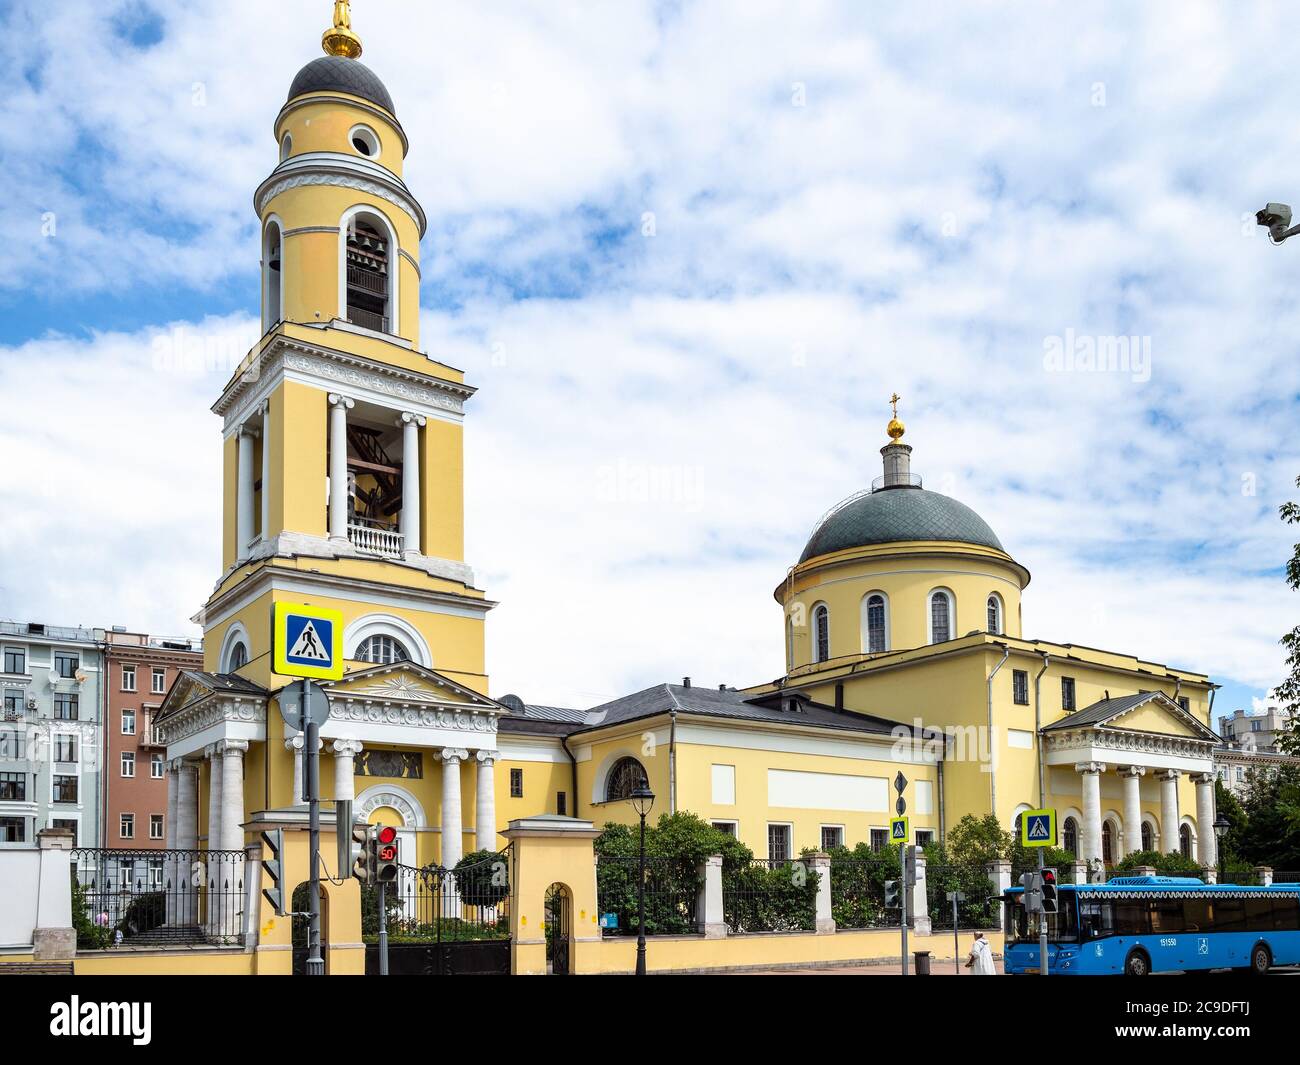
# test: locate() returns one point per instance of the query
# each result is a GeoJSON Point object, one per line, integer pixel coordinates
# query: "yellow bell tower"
{"type": "Point", "coordinates": [343, 462]}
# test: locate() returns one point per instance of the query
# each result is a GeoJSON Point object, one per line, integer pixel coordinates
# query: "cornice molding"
{"type": "Point", "coordinates": [215, 709]}
{"type": "Point", "coordinates": [341, 173]}
{"type": "Point", "coordinates": [1136, 742]}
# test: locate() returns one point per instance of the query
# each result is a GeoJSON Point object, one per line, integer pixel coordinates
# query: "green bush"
{"type": "Point", "coordinates": [858, 885]}
{"type": "Point", "coordinates": [1170, 864]}
{"type": "Point", "coordinates": [483, 878]}
{"type": "Point", "coordinates": [90, 936]}
{"type": "Point", "coordinates": [780, 898]}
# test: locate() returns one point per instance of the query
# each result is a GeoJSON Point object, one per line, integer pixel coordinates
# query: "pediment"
{"type": "Point", "coordinates": [1159, 715]}
{"type": "Point", "coordinates": [411, 684]}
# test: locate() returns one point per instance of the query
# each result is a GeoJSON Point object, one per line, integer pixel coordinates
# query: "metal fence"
{"type": "Point", "coordinates": [979, 908]}
{"type": "Point", "coordinates": [766, 896]}
{"type": "Point", "coordinates": [444, 905]}
{"type": "Point", "coordinates": [159, 897]}
{"type": "Point", "coordinates": [671, 889]}
{"type": "Point", "coordinates": [858, 892]}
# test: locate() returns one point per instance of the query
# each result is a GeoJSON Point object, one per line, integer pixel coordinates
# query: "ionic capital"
{"type": "Point", "coordinates": [1089, 767]}
{"type": "Point", "coordinates": [341, 401]}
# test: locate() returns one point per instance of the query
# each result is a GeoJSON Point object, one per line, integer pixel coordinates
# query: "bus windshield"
{"type": "Point", "coordinates": [1022, 926]}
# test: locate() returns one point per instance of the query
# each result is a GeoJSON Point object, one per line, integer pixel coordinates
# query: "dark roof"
{"type": "Point", "coordinates": [338, 74]}
{"type": "Point", "coordinates": [1103, 711]}
{"type": "Point", "coordinates": [713, 702]}
{"type": "Point", "coordinates": [893, 514]}
{"type": "Point", "coordinates": [538, 720]}
{"type": "Point", "coordinates": [229, 682]}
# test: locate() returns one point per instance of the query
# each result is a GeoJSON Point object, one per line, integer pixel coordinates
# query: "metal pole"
{"type": "Point", "coordinates": [640, 906]}
{"type": "Point", "coordinates": [315, 963]}
{"type": "Point", "coordinates": [956, 943]}
{"type": "Point", "coordinates": [383, 929]}
{"type": "Point", "coordinates": [902, 883]}
{"type": "Point", "coordinates": [1042, 923]}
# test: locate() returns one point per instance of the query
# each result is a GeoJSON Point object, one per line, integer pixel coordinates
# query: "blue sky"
{"type": "Point", "coordinates": [695, 245]}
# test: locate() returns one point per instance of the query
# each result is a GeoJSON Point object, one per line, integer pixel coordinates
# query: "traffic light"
{"type": "Point", "coordinates": [1032, 884]}
{"type": "Point", "coordinates": [363, 853]}
{"type": "Point", "coordinates": [386, 854]}
{"type": "Point", "coordinates": [1048, 889]}
{"type": "Point", "coordinates": [893, 900]}
{"type": "Point", "coordinates": [273, 866]}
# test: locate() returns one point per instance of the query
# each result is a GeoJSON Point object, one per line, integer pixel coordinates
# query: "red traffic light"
{"type": "Point", "coordinates": [387, 834]}
{"type": "Point", "coordinates": [1049, 876]}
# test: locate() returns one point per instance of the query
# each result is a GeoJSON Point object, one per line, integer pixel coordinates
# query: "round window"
{"type": "Point", "coordinates": [364, 141]}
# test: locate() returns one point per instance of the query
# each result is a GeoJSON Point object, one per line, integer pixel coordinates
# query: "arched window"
{"type": "Point", "coordinates": [624, 778]}
{"type": "Point", "coordinates": [995, 615]}
{"type": "Point", "coordinates": [789, 642]}
{"type": "Point", "coordinates": [286, 147]}
{"type": "Point", "coordinates": [272, 276]}
{"type": "Point", "coordinates": [1107, 843]}
{"type": "Point", "coordinates": [1070, 836]}
{"type": "Point", "coordinates": [877, 636]}
{"type": "Point", "coordinates": [1147, 842]}
{"type": "Point", "coordinates": [238, 657]}
{"type": "Point", "coordinates": [369, 270]}
{"type": "Point", "coordinates": [940, 617]}
{"type": "Point", "coordinates": [821, 633]}
{"type": "Point", "coordinates": [382, 651]}
{"type": "Point", "coordinates": [1185, 841]}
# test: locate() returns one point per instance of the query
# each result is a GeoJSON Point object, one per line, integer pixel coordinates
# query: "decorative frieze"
{"type": "Point", "coordinates": [367, 712]}
{"type": "Point", "coordinates": [401, 765]}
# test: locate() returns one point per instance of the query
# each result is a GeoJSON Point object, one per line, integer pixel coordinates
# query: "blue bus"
{"type": "Point", "coordinates": [1138, 925]}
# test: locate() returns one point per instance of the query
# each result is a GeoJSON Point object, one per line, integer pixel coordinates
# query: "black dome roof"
{"type": "Point", "coordinates": [893, 514]}
{"type": "Point", "coordinates": [339, 74]}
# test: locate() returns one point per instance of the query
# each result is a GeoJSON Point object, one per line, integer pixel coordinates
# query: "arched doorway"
{"type": "Point", "coordinates": [299, 929]}
{"type": "Point", "coordinates": [559, 929]}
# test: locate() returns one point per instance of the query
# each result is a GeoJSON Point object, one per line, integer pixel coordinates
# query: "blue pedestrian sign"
{"type": "Point", "coordinates": [307, 641]}
{"type": "Point", "coordinates": [1038, 828]}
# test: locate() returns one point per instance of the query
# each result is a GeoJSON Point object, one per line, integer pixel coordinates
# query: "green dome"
{"type": "Point", "coordinates": [893, 514]}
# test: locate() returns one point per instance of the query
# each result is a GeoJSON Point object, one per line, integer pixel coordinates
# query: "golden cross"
{"type": "Point", "coordinates": [894, 401]}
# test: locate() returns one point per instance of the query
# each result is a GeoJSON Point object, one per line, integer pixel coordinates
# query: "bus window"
{"type": "Point", "coordinates": [1132, 917]}
{"type": "Point", "coordinates": [1196, 915]}
{"type": "Point", "coordinates": [1167, 917]}
{"type": "Point", "coordinates": [1259, 914]}
{"type": "Point", "coordinates": [1229, 915]}
{"type": "Point", "coordinates": [1286, 915]}
{"type": "Point", "coordinates": [1096, 918]}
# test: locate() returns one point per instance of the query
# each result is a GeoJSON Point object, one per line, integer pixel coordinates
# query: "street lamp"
{"type": "Point", "coordinates": [1221, 826]}
{"type": "Point", "coordinates": [1276, 217]}
{"type": "Point", "coordinates": [643, 800]}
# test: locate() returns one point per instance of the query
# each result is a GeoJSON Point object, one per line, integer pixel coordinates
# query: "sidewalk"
{"type": "Point", "coordinates": [937, 968]}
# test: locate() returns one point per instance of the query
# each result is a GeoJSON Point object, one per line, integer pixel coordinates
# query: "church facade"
{"type": "Point", "coordinates": [343, 488]}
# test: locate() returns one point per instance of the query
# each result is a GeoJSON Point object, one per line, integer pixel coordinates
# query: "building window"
{"type": "Point", "coordinates": [1147, 844]}
{"type": "Point", "coordinates": [821, 633]}
{"type": "Point", "coordinates": [71, 824]}
{"type": "Point", "coordinates": [382, 651]}
{"type": "Point", "coordinates": [272, 276]}
{"type": "Point", "coordinates": [13, 787]}
{"type": "Point", "coordinates": [516, 783]}
{"type": "Point", "coordinates": [15, 660]}
{"type": "Point", "coordinates": [729, 827]}
{"type": "Point", "coordinates": [12, 745]}
{"type": "Point", "coordinates": [13, 704]}
{"type": "Point", "coordinates": [128, 678]}
{"type": "Point", "coordinates": [1020, 687]}
{"type": "Point", "coordinates": [128, 722]}
{"type": "Point", "coordinates": [65, 748]}
{"type": "Point", "coordinates": [13, 830]}
{"type": "Point", "coordinates": [156, 766]}
{"type": "Point", "coordinates": [66, 664]}
{"type": "Point", "coordinates": [1070, 836]}
{"type": "Point", "coordinates": [1185, 841]}
{"type": "Point", "coordinates": [924, 837]}
{"type": "Point", "coordinates": [778, 843]}
{"type": "Point", "coordinates": [286, 147]}
{"type": "Point", "coordinates": [369, 279]}
{"type": "Point", "coordinates": [627, 775]}
{"type": "Point", "coordinates": [1067, 693]}
{"type": "Point", "coordinates": [128, 763]}
{"type": "Point", "coordinates": [561, 804]}
{"type": "Point", "coordinates": [65, 788]}
{"type": "Point", "coordinates": [158, 683]}
{"type": "Point", "coordinates": [1186, 704]}
{"type": "Point", "coordinates": [876, 638]}
{"type": "Point", "coordinates": [155, 826]}
{"type": "Point", "coordinates": [995, 615]}
{"type": "Point", "coordinates": [126, 826]}
{"type": "Point", "coordinates": [940, 617]}
{"type": "Point", "coordinates": [238, 657]}
{"type": "Point", "coordinates": [832, 836]}
{"type": "Point", "coordinates": [65, 706]}
{"type": "Point", "coordinates": [879, 839]}
{"type": "Point", "coordinates": [365, 142]}
{"type": "Point", "coordinates": [1107, 844]}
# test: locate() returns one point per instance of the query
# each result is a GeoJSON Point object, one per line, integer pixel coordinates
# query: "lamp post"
{"type": "Point", "coordinates": [1221, 827]}
{"type": "Point", "coordinates": [643, 799]}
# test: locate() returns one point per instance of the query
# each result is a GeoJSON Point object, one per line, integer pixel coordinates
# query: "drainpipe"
{"type": "Point", "coordinates": [564, 742]}
{"type": "Point", "coordinates": [943, 827]}
{"type": "Point", "coordinates": [993, 776]}
{"type": "Point", "coordinates": [672, 760]}
{"type": "Point", "coordinates": [1038, 735]}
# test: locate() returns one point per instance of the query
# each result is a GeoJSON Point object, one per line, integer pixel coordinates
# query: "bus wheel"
{"type": "Point", "coordinates": [1261, 959]}
{"type": "Point", "coordinates": [1137, 963]}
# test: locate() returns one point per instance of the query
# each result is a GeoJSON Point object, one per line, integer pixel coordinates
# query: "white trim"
{"type": "Point", "coordinates": [1001, 608]}
{"type": "Point", "coordinates": [716, 821]}
{"type": "Point", "coordinates": [929, 613]}
{"type": "Point", "coordinates": [378, 795]}
{"type": "Point", "coordinates": [286, 146]}
{"type": "Point", "coordinates": [767, 839]}
{"type": "Point", "coordinates": [235, 634]}
{"type": "Point", "coordinates": [802, 740]}
{"type": "Point", "coordinates": [376, 145]}
{"type": "Point", "coordinates": [394, 267]}
{"type": "Point", "coordinates": [386, 625]}
{"type": "Point", "coordinates": [866, 638]}
{"type": "Point", "coordinates": [267, 321]}
{"type": "Point", "coordinates": [822, 828]}
{"type": "Point", "coordinates": [600, 781]}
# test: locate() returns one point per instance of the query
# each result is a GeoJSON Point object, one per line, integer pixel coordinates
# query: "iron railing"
{"type": "Point", "coordinates": [671, 889]}
{"type": "Point", "coordinates": [368, 319]}
{"type": "Point", "coordinates": [858, 891]}
{"type": "Point", "coordinates": [367, 280]}
{"type": "Point", "coordinates": [439, 905]}
{"type": "Point", "coordinates": [768, 896]}
{"type": "Point", "coordinates": [980, 908]}
{"type": "Point", "coordinates": [157, 897]}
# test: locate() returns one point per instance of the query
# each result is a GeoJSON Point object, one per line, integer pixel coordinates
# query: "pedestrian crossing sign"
{"type": "Point", "coordinates": [1038, 828]}
{"type": "Point", "coordinates": [898, 830]}
{"type": "Point", "coordinates": [306, 641]}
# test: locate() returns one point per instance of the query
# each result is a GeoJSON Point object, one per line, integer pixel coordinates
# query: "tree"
{"type": "Point", "coordinates": [1288, 692]}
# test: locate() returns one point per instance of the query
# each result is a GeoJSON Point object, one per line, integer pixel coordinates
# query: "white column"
{"type": "Point", "coordinates": [1091, 788]}
{"type": "Point", "coordinates": [339, 407]}
{"type": "Point", "coordinates": [411, 424]}
{"type": "Point", "coordinates": [187, 839]}
{"type": "Point", "coordinates": [824, 922]}
{"type": "Point", "coordinates": [1168, 810]}
{"type": "Point", "coordinates": [212, 752]}
{"type": "Point", "coordinates": [1206, 844]}
{"type": "Point", "coordinates": [266, 469]}
{"type": "Point", "coordinates": [244, 493]}
{"type": "Point", "coordinates": [295, 744]}
{"type": "Point", "coordinates": [344, 770]}
{"type": "Point", "coordinates": [451, 822]}
{"type": "Point", "coordinates": [231, 882]}
{"type": "Point", "coordinates": [173, 780]}
{"type": "Point", "coordinates": [485, 806]}
{"type": "Point", "coordinates": [1132, 776]}
{"type": "Point", "coordinates": [170, 866]}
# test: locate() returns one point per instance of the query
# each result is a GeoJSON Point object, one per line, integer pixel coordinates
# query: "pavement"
{"type": "Point", "coordinates": [937, 968]}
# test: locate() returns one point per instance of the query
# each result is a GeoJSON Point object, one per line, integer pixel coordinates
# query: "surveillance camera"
{"type": "Point", "coordinates": [1276, 217]}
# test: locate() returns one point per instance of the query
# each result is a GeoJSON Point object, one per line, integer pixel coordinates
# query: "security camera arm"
{"type": "Point", "coordinates": [1275, 217]}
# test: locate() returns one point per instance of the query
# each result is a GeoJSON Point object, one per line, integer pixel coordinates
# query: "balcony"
{"type": "Point", "coordinates": [368, 319]}
{"type": "Point", "coordinates": [374, 540]}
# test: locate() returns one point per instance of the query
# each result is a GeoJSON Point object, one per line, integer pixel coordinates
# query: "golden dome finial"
{"type": "Point", "coordinates": [339, 38]}
{"type": "Point", "coordinates": [895, 428]}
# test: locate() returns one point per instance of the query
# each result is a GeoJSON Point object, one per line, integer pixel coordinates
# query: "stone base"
{"type": "Point", "coordinates": [919, 925]}
{"type": "Point", "coordinates": [715, 931]}
{"type": "Point", "coordinates": [825, 926]}
{"type": "Point", "coordinates": [54, 944]}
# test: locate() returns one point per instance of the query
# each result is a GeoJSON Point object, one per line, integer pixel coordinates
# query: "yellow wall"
{"type": "Point", "coordinates": [442, 465]}
{"type": "Point", "coordinates": [323, 126]}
